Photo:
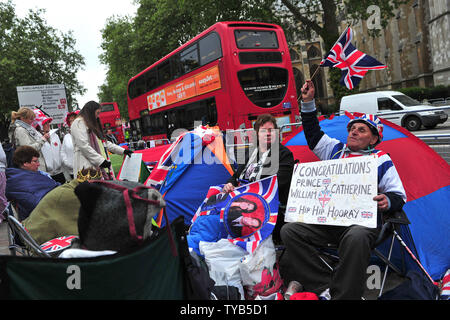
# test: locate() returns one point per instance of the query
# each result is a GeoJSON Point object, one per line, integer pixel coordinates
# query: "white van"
{"type": "Point", "coordinates": [382, 103]}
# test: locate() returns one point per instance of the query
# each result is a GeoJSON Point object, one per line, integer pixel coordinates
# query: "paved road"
{"type": "Point", "coordinates": [440, 144]}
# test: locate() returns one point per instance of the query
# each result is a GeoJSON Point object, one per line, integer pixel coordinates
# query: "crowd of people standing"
{"type": "Point", "coordinates": [38, 161]}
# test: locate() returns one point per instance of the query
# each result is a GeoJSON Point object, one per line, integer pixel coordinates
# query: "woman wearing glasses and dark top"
{"type": "Point", "coordinates": [267, 158]}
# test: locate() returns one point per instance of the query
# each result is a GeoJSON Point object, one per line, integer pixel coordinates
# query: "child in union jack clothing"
{"type": "Point", "coordinates": [354, 242]}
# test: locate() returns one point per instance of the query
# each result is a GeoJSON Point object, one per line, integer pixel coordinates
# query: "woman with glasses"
{"type": "Point", "coordinates": [267, 157]}
{"type": "Point", "coordinates": [26, 185]}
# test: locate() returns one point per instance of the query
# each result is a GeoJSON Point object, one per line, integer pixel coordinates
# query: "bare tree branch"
{"type": "Point", "coordinates": [300, 17]}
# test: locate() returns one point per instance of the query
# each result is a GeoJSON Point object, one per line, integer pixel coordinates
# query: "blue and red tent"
{"type": "Point", "coordinates": [186, 170]}
{"type": "Point", "coordinates": [426, 179]}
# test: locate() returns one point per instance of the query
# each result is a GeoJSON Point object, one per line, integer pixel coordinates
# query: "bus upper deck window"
{"type": "Point", "coordinates": [253, 39]}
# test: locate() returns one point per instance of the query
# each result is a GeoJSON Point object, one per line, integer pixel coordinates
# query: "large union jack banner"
{"type": "Point", "coordinates": [353, 63]}
{"type": "Point", "coordinates": [248, 214]}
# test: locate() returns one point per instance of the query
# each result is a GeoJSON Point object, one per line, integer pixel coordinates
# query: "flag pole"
{"type": "Point", "coordinates": [331, 47]}
{"type": "Point", "coordinates": [317, 69]}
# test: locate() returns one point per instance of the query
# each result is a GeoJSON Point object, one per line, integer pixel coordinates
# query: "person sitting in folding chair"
{"type": "Point", "coordinates": [25, 184]}
{"type": "Point", "coordinates": [354, 243]}
{"type": "Point", "coordinates": [267, 157]}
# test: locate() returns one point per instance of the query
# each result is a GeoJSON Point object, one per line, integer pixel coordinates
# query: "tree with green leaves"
{"type": "Point", "coordinates": [119, 57]}
{"type": "Point", "coordinates": [34, 53]}
{"type": "Point", "coordinates": [311, 18]}
{"type": "Point", "coordinates": [131, 44]}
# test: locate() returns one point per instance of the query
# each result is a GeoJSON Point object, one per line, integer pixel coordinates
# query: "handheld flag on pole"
{"type": "Point", "coordinates": [353, 63]}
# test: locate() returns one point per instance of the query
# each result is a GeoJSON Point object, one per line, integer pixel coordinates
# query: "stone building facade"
{"type": "Point", "coordinates": [439, 29]}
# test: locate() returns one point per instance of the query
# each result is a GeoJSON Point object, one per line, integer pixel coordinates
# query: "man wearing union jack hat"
{"type": "Point", "coordinates": [355, 242]}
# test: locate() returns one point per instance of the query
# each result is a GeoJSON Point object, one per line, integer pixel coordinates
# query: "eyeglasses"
{"type": "Point", "coordinates": [264, 131]}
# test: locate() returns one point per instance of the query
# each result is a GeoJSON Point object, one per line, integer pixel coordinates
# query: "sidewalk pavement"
{"type": "Point", "coordinates": [4, 239]}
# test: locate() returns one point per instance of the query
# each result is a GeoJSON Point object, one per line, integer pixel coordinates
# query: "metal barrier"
{"type": "Point", "coordinates": [244, 136]}
{"type": "Point", "coordinates": [239, 137]}
{"type": "Point", "coordinates": [442, 138]}
{"type": "Point", "coordinates": [148, 143]}
{"type": "Point", "coordinates": [439, 143]}
{"type": "Point", "coordinates": [380, 114]}
{"type": "Point", "coordinates": [297, 124]}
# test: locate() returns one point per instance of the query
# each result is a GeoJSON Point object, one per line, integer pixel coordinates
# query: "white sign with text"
{"type": "Point", "coordinates": [131, 168]}
{"type": "Point", "coordinates": [334, 192]}
{"type": "Point", "coordinates": [50, 98]}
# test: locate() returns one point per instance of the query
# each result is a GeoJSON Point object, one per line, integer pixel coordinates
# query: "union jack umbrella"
{"type": "Point", "coordinates": [57, 244]}
{"type": "Point", "coordinates": [353, 63]}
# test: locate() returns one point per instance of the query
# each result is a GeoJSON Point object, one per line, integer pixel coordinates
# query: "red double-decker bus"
{"type": "Point", "coordinates": [225, 76]}
{"type": "Point", "coordinates": [110, 119]}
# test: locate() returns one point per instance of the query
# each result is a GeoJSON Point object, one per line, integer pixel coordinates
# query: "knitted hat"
{"type": "Point", "coordinates": [40, 119]}
{"type": "Point", "coordinates": [373, 122]}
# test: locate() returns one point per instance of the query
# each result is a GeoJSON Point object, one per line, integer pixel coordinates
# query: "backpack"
{"type": "Point", "coordinates": [415, 287]}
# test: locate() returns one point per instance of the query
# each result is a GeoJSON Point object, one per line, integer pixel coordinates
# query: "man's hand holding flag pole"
{"type": "Point", "coordinates": [353, 63]}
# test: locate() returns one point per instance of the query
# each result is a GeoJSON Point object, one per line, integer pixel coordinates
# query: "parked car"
{"type": "Point", "coordinates": [382, 103]}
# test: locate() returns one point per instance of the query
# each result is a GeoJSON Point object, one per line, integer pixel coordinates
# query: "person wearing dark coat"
{"type": "Point", "coordinates": [25, 184]}
{"type": "Point", "coordinates": [269, 157]}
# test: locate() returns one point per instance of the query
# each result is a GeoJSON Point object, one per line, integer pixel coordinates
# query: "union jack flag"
{"type": "Point", "coordinates": [165, 163]}
{"type": "Point", "coordinates": [353, 63]}
{"type": "Point", "coordinates": [445, 289]}
{"type": "Point", "coordinates": [366, 214]}
{"type": "Point", "coordinates": [219, 203]}
{"type": "Point", "coordinates": [57, 244]}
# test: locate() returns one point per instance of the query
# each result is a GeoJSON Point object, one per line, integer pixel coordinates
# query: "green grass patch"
{"type": "Point", "coordinates": [116, 161]}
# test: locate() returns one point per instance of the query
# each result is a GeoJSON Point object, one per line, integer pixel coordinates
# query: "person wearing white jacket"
{"type": "Point", "coordinates": [67, 148]}
{"type": "Point", "coordinates": [51, 149]}
{"type": "Point", "coordinates": [89, 144]}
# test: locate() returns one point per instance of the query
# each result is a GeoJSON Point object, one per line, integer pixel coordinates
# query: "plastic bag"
{"type": "Point", "coordinates": [223, 259]}
{"type": "Point", "coordinates": [260, 272]}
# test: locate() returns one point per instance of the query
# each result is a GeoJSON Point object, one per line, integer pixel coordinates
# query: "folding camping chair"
{"type": "Point", "coordinates": [389, 232]}
{"type": "Point", "coordinates": [20, 240]}
{"type": "Point", "coordinates": [150, 271]}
